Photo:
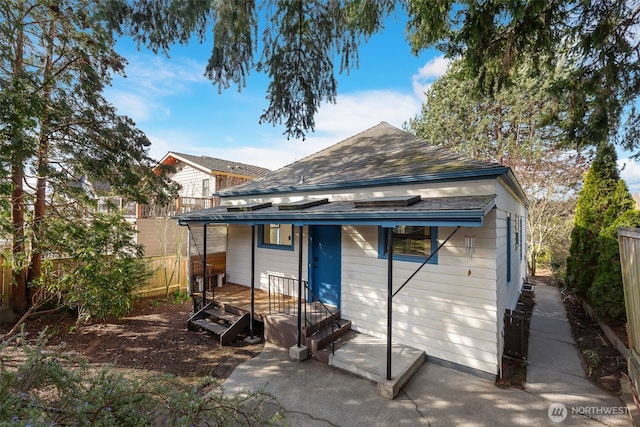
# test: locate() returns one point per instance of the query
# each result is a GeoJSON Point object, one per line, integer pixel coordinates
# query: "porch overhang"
{"type": "Point", "coordinates": [465, 211]}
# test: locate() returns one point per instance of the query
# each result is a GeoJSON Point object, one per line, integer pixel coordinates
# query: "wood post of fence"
{"type": "Point", "coordinates": [515, 341]}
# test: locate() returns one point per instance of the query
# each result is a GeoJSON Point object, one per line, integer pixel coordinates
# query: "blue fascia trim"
{"type": "Point", "coordinates": [465, 218]}
{"type": "Point", "coordinates": [406, 218]}
{"type": "Point", "coordinates": [440, 222]}
{"type": "Point", "coordinates": [449, 176]}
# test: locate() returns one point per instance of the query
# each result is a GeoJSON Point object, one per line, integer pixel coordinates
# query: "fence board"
{"type": "Point", "coordinates": [515, 341]}
{"type": "Point", "coordinates": [5, 283]}
{"type": "Point", "coordinates": [159, 284]}
{"type": "Point", "coordinates": [169, 274]}
{"type": "Point", "coordinates": [629, 241]}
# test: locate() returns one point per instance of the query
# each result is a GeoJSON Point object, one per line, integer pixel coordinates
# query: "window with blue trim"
{"type": "Point", "coordinates": [276, 236]}
{"type": "Point", "coordinates": [410, 243]}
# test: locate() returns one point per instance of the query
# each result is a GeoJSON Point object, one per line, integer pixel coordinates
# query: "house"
{"type": "Point", "coordinates": [198, 179]}
{"type": "Point", "coordinates": [405, 239]}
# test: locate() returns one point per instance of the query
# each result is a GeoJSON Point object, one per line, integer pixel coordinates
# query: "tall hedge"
{"type": "Point", "coordinates": [607, 292]}
{"type": "Point", "coordinates": [593, 266]}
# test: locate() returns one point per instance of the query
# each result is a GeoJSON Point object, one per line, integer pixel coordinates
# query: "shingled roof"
{"type": "Point", "coordinates": [214, 165]}
{"type": "Point", "coordinates": [380, 155]}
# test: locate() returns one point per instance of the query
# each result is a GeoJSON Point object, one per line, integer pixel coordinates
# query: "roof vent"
{"type": "Point", "coordinates": [302, 204]}
{"type": "Point", "coordinates": [387, 202]}
{"type": "Point", "coordinates": [248, 207]}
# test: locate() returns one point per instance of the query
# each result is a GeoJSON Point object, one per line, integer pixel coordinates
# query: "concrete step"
{"type": "Point", "coordinates": [366, 357]}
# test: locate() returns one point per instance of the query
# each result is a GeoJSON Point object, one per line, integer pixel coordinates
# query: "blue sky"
{"type": "Point", "coordinates": [180, 110]}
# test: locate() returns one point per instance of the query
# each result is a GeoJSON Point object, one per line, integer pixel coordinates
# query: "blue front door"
{"type": "Point", "coordinates": [324, 263]}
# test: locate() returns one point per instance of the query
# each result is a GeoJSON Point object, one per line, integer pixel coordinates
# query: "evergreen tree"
{"type": "Point", "coordinates": [595, 42]}
{"type": "Point", "coordinates": [607, 292]}
{"type": "Point", "coordinates": [513, 128]}
{"type": "Point", "coordinates": [602, 200]}
{"type": "Point", "coordinates": [56, 129]}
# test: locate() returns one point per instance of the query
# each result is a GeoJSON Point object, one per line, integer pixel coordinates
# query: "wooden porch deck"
{"type": "Point", "coordinates": [239, 297]}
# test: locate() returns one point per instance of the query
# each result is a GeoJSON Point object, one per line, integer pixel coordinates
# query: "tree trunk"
{"type": "Point", "coordinates": [18, 299]}
{"type": "Point", "coordinates": [18, 296]}
{"type": "Point", "coordinates": [39, 206]}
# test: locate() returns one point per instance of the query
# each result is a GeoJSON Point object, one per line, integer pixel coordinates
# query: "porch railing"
{"type": "Point", "coordinates": [319, 319]}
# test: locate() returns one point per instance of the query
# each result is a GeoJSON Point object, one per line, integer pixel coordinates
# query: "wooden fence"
{"type": "Point", "coordinates": [169, 275]}
{"type": "Point", "coordinates": [515, 340]}
{"type": "Point", "coordinates": [629, 241]}
{"type": "Point", "coordinates": [5, 283]}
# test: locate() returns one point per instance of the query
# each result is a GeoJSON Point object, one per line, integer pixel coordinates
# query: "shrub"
{"type": "Point", "coordinates": [607, 292]}
{"type": "Point", "coordinates": [51, 389]}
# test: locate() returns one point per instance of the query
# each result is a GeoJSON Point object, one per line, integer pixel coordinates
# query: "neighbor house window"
{"type": "Point", "coordinates": [205, 188]}
{"type": "Point", "coordinates": [276, 236]}
{"type": "Point", "coordinates": [410, 243]}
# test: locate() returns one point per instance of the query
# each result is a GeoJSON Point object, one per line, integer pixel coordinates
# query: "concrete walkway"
{"type": "Point", "coordinates": [314, 394]}
{"type": "Point", "coordinates": [555, 372]}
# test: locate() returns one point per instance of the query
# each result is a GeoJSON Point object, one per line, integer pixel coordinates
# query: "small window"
{"type": "Point", "coordinates": [276, 236]}
{"type": "Point", "coordinates": [205, 188]}
{"type": "Point", "coordinates": [410, 243]}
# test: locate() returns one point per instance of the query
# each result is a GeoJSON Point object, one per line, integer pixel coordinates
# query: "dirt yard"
{"type": "Point", "coordinates": [604, 365]}
{"type": "Point", "coordinates": [153, 337]}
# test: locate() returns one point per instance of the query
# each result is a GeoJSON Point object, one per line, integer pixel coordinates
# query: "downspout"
{"type": "Point", "coordinates": [189, 237]}
{"type": "Point", "coordinates": [204, 265]}
{"type": "Point", "coordinates": [190, 272]}
{"type": "Point", "coordinates": [253, 277]}
{"type": "Point", "coordinates": [389, 297]}
{"type": "Point", "coordinates": [300, 287]}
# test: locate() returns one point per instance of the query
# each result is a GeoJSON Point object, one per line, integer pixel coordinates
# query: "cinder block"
{"type": "Point", "coordinates": [298, 354]}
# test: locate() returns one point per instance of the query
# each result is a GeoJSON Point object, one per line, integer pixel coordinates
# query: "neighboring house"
{"type": "Point", "coordinates": [199, 178]}
{"type": "Point", "coordinates": [334, 215]}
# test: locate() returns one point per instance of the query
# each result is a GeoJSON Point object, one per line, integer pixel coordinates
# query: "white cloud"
{"type": "Point", "coordinates": [137, 107]}
{"type": "Point", "coordinates": [427, 74]}
{"type": "Point", "coordinates": [151, 79]}
{"type": "Point", "coordinates": [355, 112]}
{"type": "Point", "coordinates": [266, 146]}
{"type": "Point", "coordinates": [630, 172]}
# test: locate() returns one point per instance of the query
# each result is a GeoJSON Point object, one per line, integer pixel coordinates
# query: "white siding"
{"type": "Point", "coordinates": [508, 293]}
{"type": "Point", "coordinates": [216, 239]}
{"type": "Point", "coordinates": [268, 261]}
{"type": "Point", "coordinates": [453, 310]}
{"type": "Point", "coordinates": [190, 180]}
{"type": "Point", "coordinates": [239, 254]}
{"type": "Point", "coordinates": [448, 309]}
{"type": "Point", "coordinates": [466, 188]}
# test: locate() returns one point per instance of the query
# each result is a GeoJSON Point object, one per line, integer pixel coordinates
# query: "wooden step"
{"type": "Point", "coordinates": [220, 314]}
{"type": "Point", "coordinates": [323, 354]}
{"type": "Point", "coordinates": [215, 328]}
{"type": "Point", "coordinates": [322, 339]}
{"type": "Point", "coordinates": [318, 322]}
{"type": "Point", "coordinates": [227, 327]}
